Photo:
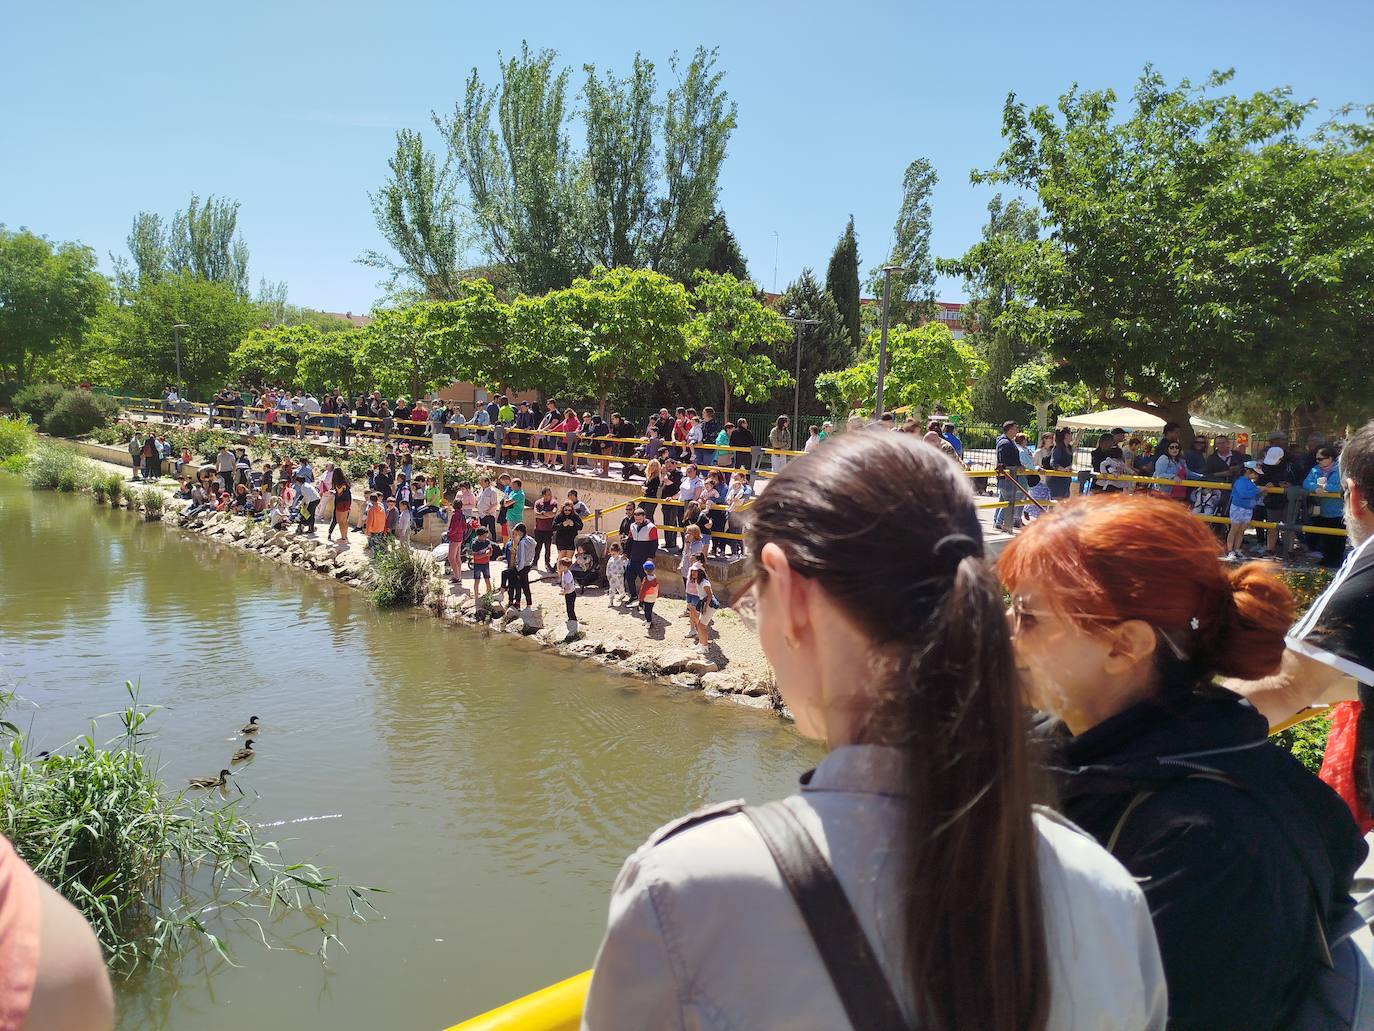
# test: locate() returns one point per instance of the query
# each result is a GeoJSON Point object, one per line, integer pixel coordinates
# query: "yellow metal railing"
{"type": "Point", "coordinates": [555, 1008]}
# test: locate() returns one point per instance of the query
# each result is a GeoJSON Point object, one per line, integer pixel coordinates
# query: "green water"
{"type": "Point", "coordinates": [491, 788]}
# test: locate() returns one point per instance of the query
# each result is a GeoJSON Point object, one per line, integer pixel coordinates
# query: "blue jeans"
{"type": "Point", "coordinates": [1006, 491]}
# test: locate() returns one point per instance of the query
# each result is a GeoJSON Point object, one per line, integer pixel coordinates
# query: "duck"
{"type": "Point", "coordinates": [211, 782]}
{"type": "Point", "coordinates": [246, 752]}
{"type": "Point", "coordinates": [251, 727]}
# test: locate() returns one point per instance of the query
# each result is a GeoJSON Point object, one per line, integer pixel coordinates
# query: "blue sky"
{"type": "Point", "coordinates": [291, 107]}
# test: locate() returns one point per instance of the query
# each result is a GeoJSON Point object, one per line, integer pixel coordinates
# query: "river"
{"type": "Point", "coordinates": [492, 789]}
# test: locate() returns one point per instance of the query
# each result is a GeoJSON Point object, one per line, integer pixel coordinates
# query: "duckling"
{"type": "Point", "coordinates": [251, 727]}
{"type": "Point", "coordinates": [211, 782]}
{"type": "Point", "coordinates": [246, 752]}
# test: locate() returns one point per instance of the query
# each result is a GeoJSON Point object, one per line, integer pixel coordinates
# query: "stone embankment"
{"type": "Point", "coordinates": [616, 637]}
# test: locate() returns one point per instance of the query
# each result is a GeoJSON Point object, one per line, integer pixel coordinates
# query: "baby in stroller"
{"type": "Point", "coordinates": [586, 564]}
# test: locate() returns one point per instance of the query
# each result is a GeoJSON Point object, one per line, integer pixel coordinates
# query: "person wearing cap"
{"type": "Point", "coordinates": [1167, 437]}
{"type": "Point", "coordinates": [1244, 495]}
{"type": "Point", "coordinates": [1275, 471]}
{"type": "Point", "coordinates": [648, 593]}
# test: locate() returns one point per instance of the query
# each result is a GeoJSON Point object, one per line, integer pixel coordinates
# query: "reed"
{"type": "Point", "coordinates": [155, 872]}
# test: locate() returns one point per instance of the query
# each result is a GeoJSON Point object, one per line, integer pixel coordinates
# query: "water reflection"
{"type": "Point", "coordinates": [494, 789]}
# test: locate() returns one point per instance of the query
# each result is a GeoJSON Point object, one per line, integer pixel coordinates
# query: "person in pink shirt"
{"type": "Point", "coordinates": [569, 427]}
{"type": "Point", "coordinates": [52, 974]}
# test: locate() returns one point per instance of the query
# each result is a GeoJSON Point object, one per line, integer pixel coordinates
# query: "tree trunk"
{"type": "Point", "coordinates": [725, 405]}
{"type": "Point", "coordinates": [1308, 418]}
{"type": "Point", "coordinates": [601, 405]}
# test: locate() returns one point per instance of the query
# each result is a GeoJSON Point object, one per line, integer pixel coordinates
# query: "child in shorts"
{"type": "Point", "coordinates": [1245, 494]}
{"type": "Point", "coordinates": [481, 558]}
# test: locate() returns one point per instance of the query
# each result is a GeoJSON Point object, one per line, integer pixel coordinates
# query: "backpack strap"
{"type": "Point", "coordinates": [848, 955]}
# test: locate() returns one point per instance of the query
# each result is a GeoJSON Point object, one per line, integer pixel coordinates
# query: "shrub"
{"type": "Point", "coordinates": [152, 501]}
{"type": "Point", "coordinates": [57, 467]}
{"type": "Point", "coordinates": [361, 460]}
{"type": "Point", "coordinates": [77, 412]}
{"type": "Point", "coordinates": [400, 576]}
{"type": "Point", "coordinates": [7, 391]}
{"type": "Point", "coordinates": [110, 434]}
{"type": "Point", "coordinates": [38, 399]}
{"type": "Point", "coordinates": [1306, 740]}
{"type": "Point", "coordinates": [114, 487]}
{"type": "Point", "coordinates": [17, 437]}
{"type": "Point", "coordinates": [149, 868]}
{"type": "Point", "coordinates": [100, 490]}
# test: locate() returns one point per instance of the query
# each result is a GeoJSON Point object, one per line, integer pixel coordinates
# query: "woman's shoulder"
{"type": "Point", "coordinates": [1072, 859]}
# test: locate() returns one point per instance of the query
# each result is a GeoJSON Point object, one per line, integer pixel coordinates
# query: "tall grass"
{"type": "Point", "coordinates": [400, 575]}
{"type": "Point", "coordinates": [152, 500]}
{"type": "Point", "coordinates": [57, 467]}
{"type": "Point", "coordinates": [153, 872]}
{"type": "Point", "coordinates": [17, 437]}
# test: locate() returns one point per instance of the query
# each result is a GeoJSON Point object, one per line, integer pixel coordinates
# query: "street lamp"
{"type": "Point", "coordinates": [882, 340]}
{"type": "Point", "coordinates": [176, 342]}
{"type": "Point", "coordinates": [797, 324]}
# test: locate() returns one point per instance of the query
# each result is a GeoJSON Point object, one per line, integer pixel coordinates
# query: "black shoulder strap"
{"type": "Point", "coordinates": [848, 955]}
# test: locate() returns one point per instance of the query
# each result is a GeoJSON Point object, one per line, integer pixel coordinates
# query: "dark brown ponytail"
{"type": "Point", "coordinates": [886, 525]}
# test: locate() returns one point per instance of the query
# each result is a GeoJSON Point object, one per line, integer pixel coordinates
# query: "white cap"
{"type": "Point", "coordinates": [1273, 456]}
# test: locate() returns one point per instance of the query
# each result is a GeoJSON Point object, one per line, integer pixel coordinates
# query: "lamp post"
{"type": "Point", "coordinates": [797, 325]}
{"type": "Point", "coordinates": [176, 342]}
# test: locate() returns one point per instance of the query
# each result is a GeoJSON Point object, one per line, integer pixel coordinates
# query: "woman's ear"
{"type": "Point", "coordinates": [1130, 643]}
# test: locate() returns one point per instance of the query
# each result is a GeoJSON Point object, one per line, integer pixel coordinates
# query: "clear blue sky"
{"type": "Point", "coordinates": [291, 107]}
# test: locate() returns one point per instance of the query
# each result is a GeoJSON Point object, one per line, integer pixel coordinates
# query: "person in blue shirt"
{"type": "Point", "coordinates": [1244, 496]}
{"type": "Point", "coordinates": [952, 436]}
{"type": "Point", "coordinates": [1325, 477]}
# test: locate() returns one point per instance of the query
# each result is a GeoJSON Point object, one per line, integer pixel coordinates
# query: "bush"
{"type": "Point", "coordinates": [152, 501]}
{"type": "Point", "coordinates": [57, 467]}
{"type": "Point", "coordinates": [7, 391]}
{"type": "Point", "coordinates": [1306, 740]}
{"type": "Point", "coordinates": [17, 437]}
{"type": "Point", "coordinates": [114, 487]}
{"type": "Point", "coordinates": [150, 869]}
{"type": "Point", "coordinates": [400, 576]}
{"type": "Point", "coordinates": [110, 435]}
{"type": "Point", "coordinates": [100, 490]}
{"type": "Point", "coordinates": [38, 399]}
{"type": "Point", "coordinates": [79, 411]}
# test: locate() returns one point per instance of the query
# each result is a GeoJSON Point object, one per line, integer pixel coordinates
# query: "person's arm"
{"type": "Point", "coordinates": [1302, 681]}
{"type": "Point", "coordinates": [72, 988]}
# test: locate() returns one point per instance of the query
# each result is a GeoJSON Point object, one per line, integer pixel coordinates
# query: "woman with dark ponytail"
{"type": "Point", "coordinates": [1123, 617]}
{"type": "Point", "coordinates": [969, 907]}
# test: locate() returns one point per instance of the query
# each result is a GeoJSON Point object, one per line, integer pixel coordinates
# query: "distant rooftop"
{"type": "Point", "coordinates": [357, 321]}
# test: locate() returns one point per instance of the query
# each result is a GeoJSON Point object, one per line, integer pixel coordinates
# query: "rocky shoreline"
{"type": "Point", "coordinates": [733, 668]}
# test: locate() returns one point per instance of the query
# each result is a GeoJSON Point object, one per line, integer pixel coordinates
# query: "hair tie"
{"type": "Point", "coordinates": [954, 548]}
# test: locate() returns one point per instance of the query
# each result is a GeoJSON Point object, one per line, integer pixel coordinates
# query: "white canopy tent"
{"type": "Point", "coordinates": [1135, 421]}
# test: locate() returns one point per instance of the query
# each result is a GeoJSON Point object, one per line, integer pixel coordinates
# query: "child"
{"type": "Point", "coordinates": [615, 574]}
{"type": "Point", "coordinates": [393, 518]}
{"type": "Point", "coordinates": [648, 593]}
{"type": "Point", "coordinates": [568, 586]}
{"type": "Point", "coordinates": [454, 532]}
{"type": "Point", "coordinates": [703, 612]}
{"type": "Point", "coordinates": [405, 522]}
{"type": "Point", "coordinates": [374, 520]}
{"type": "Point", "coordinates": [584, 566]}
{"type": "Point", "coordinates": [481, 558]}
{"type": "Point", "coordinates": [1245, 494]}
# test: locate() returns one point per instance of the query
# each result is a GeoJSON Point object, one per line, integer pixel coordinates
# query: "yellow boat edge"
{"type": "Point", "coordinates": [555, 1008]}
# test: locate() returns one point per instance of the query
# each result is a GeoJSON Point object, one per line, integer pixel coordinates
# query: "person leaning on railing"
{"type": "Point", "coordinates": [938, 897]}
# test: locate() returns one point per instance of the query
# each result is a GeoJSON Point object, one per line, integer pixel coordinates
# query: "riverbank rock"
{"type": "Point", "coordinates": [677, 660]}
{"type": "Point", "coordinates": [615, 648]}
{"type": "Point", "coordinates": [688, 680]}
{"type": "Point", "coordinates": [641, 664]}
{"type": "Point", "coordinates": [735, 682]}
{"type": "Point", "coordinates": [531, 620]}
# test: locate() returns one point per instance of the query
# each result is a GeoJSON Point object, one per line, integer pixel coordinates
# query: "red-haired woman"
{"type": "Point", "coordinates": [1122, 616]}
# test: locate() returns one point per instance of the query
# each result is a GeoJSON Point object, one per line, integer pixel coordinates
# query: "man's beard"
{"type": "Point", "coordinates": [1353, 527]}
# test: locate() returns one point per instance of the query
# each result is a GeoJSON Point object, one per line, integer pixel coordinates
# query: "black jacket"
{"type": "Point", "coordinates": [1230, 872]}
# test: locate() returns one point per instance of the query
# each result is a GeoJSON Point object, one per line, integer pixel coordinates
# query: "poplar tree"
{"type": "Point", "coordinates": [842, 281]}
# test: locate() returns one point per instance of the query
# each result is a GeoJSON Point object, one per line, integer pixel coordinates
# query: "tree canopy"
{"type": "Point", "coordinates": [48, 295]}
{"type": "Point", "coordinates": [1199, 241]}
{"type": "Point", "coordinates": [912, 295]}
{"type": "Point", "coordinates": [927, 368]}
{"type": "Point", "coordinates": [842, 281]}
{"type": "Point", "coordinates": [203, 240]}
{"type": "Point", "coordinates": [734, 337]}
{"type": "Point", "coordinates": [825, 346]}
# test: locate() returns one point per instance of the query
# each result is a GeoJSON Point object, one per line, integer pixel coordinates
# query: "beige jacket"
{"type": "Point", "coordinates": [703, 933]}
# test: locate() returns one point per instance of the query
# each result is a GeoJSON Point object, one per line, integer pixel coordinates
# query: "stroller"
{"type": "Point", "coordinates": [589, 560]}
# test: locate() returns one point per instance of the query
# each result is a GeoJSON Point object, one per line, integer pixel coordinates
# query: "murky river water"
{"type": "Point", "coordinates": [492, 789]}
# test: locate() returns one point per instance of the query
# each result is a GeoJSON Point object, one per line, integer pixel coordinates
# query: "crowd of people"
{"type": "Point", "coordinates": [1205, 881]}
{"type": "Point", "coordinates": [1230, 483]}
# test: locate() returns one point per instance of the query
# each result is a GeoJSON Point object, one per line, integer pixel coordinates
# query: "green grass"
{"type": "Point", "coordinates": [400, 575]}
{"type": "Point", "coordinates": [153, 871]}
{"type": "Point", "coordinates": [17, 437]}
{"type": "Point", "coordinates": [53, 466]}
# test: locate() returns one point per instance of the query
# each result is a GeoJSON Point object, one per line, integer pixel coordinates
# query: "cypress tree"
{"type": "Point", "coordinates": [842, 281]}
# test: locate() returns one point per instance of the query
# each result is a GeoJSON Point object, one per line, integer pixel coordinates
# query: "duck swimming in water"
{"type": "Point", "coordinates": [251, 727]}
{"type": "Point", "coordinates": [246, 752]}
{"type": "Point", "coordinates": [211, 782]}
